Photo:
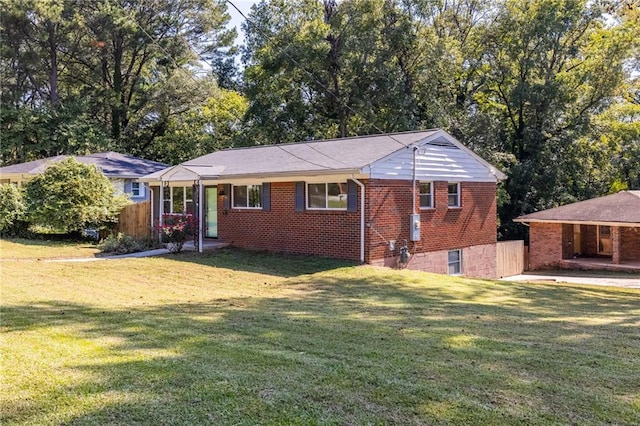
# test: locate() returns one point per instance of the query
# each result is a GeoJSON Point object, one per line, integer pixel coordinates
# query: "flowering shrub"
{"type": "Point", "coordinates": [176, 228]}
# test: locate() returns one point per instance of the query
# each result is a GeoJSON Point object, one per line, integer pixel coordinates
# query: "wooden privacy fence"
{"type": "Point", "coordinates": [510, 258]}
{"type": "Point", "coordinates": [135, 220]}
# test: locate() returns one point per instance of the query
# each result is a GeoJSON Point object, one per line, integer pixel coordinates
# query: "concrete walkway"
{"type": "Point", "coordinates": [633, 281]}
{"type": "Point", "coordinates": [188, 246]}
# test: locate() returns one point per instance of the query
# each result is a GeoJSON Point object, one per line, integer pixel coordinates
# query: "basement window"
{"type": "Point", "coordinates": [454, 258]}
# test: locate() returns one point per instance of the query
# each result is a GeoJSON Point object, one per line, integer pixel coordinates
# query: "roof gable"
{"type": "Point", "coordinates": [438, 156]}
{"type": "Point", "coordinates": [623, 208]}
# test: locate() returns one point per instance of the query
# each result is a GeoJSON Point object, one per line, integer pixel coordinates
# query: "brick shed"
{"type": "Point", "coordinates": [361, 198]}
{"type": "Point", "coordinates": [601, 233]}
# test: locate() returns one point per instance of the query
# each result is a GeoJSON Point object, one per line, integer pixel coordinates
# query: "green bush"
{"type": "Point", "coordinates": [12, 210]}
{"type": "Point", "coordinates": [121, 244]}
{"type": "Point", "coordinates": [70, 196]}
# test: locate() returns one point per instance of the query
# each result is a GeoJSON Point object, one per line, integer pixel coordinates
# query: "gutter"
{"type": "Point", "coordinates": [362, 216]}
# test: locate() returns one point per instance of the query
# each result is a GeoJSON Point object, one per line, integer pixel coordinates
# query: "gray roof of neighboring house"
{"type": "Point", "coordinates": [112, 164]}
{"type": "Point", "coordinates": [623, 207]}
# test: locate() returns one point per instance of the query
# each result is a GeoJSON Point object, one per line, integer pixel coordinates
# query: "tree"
{"type": "Point", "coordinates": [70, 196]}
{"type": "Point", "coordinates": [12, 206]}
{"type": "Point", "coordinates": [551, 65]}
{"type": "Point", "coordinates": [72, 67]}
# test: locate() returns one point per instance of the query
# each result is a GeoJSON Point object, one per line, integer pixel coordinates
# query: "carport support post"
{"type": "Point", "coordinates": [615, 245]}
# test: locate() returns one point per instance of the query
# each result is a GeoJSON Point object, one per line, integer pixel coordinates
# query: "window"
{"type": "Point", "coordinates": [178, 199]}
{"type": "Point", "coordinates": [247, 196]}
{"type": "Point", "coordinates": [137, 189]}
{"type": "Point", "coordinates": [453, 195]}
{"type": "Point", "coordinates": [327, 196]}
{"type": "Point", "coordinates": [426, 195]}
{"type": "Point", "coordinates": [454, 259]}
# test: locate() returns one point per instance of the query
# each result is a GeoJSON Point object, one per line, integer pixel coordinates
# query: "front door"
{"type": "Point", "coordinates": [211, 214]}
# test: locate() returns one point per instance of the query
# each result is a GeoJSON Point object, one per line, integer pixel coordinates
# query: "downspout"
{"type": "Point", "coordinates": [200, 215]}
{"type": "Point", "coordinates": [362, 216]}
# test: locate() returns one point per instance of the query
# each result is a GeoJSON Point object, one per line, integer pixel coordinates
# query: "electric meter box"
{"type": "Point", "coordinates": [414, 227]}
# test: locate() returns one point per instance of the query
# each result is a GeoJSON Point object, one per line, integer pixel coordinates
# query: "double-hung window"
{"type": "Point", "coordinates": [327, 196]}
{"type": "Point", "coordinates": [454, 259]}
{"type": "Point", "coordinates": [453, 195]}
{"type": "Point", "coordinates": [137, 190]}
{"type": "Point", "coordinates": [247, 196]}
{"type": "Point", "coordinates": [178, 199]}
{"type": "Point", "coordinates": [426, 195]}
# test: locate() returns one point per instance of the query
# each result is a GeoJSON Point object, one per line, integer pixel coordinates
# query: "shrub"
{"type": "Point", "coordinates": [120, 244]}
{"type": "Point", "coordinates": [175, 230]}
{"type": "Point", "coordinates": [70, 196]}
{"type": "Point", "coordinates": [12, 210]}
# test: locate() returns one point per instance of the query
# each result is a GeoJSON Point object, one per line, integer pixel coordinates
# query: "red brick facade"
{"type": "Point", "coordinates": [550, 243]}
{"type": "Point", "coordinates": [388, 206]}
{"type": "Point", "coordinates": [545, 245]}
{"type": "Point", "coordinates": [283, 229]}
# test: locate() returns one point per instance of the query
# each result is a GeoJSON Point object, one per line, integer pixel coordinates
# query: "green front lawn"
{"type": "Point", "coordinates": [19, 248]}
{"type": "Point", "coordinates": [231, 337]}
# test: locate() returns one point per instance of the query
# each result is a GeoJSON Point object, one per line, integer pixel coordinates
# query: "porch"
{"type": "Point", "coordinates": [601, 264]}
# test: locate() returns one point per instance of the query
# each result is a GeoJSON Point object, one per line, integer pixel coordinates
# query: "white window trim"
{"type": "Point", "coordinates": [184, 199]}
{"type": "Point", "coordinates": [459, 261]}
{"type": "Point", "coordinates": [458, 199]}
{"type": "Point", "coordinates": [141, 190]}
{"type": "Point", "coordinates": [247, 207]}
{"type": "Point", "coordinates": [326, 197]}
{"type": "Point", "coordinates": [431, 185]}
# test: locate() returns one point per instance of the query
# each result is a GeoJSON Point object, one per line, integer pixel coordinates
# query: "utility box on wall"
{"type": "Point", "coordinates": [414, 227]}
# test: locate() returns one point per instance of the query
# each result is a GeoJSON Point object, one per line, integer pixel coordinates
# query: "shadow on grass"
{"type": "Point", "coordinates": [394, 348]}
{"type": "Point", "coordinates": [263, 262]}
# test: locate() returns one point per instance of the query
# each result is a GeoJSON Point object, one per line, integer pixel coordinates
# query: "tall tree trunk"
{"type": "Point", "coordinates": [53, 63]}
{"type": "Point", "coordinates": [117, 109]}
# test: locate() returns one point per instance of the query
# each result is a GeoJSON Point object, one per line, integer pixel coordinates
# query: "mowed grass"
{"type": "Point", "coordinates": [234, 337]}
{"type": "Point", "coordinates": [19, 248]}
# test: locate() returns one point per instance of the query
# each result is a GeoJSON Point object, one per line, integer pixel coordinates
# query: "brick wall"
{"type": "Point", "coordinates": [629, 243]}
{"type": "Point", "coordinates": [545, 245]}
{"type": "Point", "coordinates": [389, 204]}
{"type": "Point", "coordinates": [477, 261]}
{"type": "Point", "coordinates": [442, 228]}
{"type": "Point", "coordinates": [282, 229]}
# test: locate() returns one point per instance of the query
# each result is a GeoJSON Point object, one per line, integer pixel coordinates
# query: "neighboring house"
{"type": "Point", "coordinates": [123, 171]}
{"type": "Point", "coordinates": [355, 198]}
{"type": "Point", "coordinates": [592, 231]}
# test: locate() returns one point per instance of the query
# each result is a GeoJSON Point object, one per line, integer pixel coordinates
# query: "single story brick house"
{"type": "Point", "coordinates": [603, 231]}
{"type": "Point", "coordinates": [124, 171]}
{"type": "Point", "coordinates": [358, 198]}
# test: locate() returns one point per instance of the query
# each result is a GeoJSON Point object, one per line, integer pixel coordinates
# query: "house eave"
{"type": "Point", "coordinates": [579, 222]}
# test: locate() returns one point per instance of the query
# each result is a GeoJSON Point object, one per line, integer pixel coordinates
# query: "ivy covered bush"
{"type": "Point", "coordinates": [12, 210]}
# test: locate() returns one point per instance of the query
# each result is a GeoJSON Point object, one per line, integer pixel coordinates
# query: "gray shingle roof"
{"type": "Point", "coordinates": [314, 156]}
{"type": "Point", "coordinates": [623, 207]}
{"type": "Point", "coordinates": [112, 164]}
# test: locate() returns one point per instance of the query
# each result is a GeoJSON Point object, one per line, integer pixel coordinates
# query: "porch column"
{"type": "Point", "coordinates": [200, 215]}
{"type": "Point", "coordinates": [615, 245]}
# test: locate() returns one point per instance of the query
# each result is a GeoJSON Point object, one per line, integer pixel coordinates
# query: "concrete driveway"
{"type": "Point", "coordinates": [632, 281]}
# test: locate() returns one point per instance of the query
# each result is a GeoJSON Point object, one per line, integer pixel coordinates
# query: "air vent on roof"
{"type": "Point", "coordinates": [442, 143]}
